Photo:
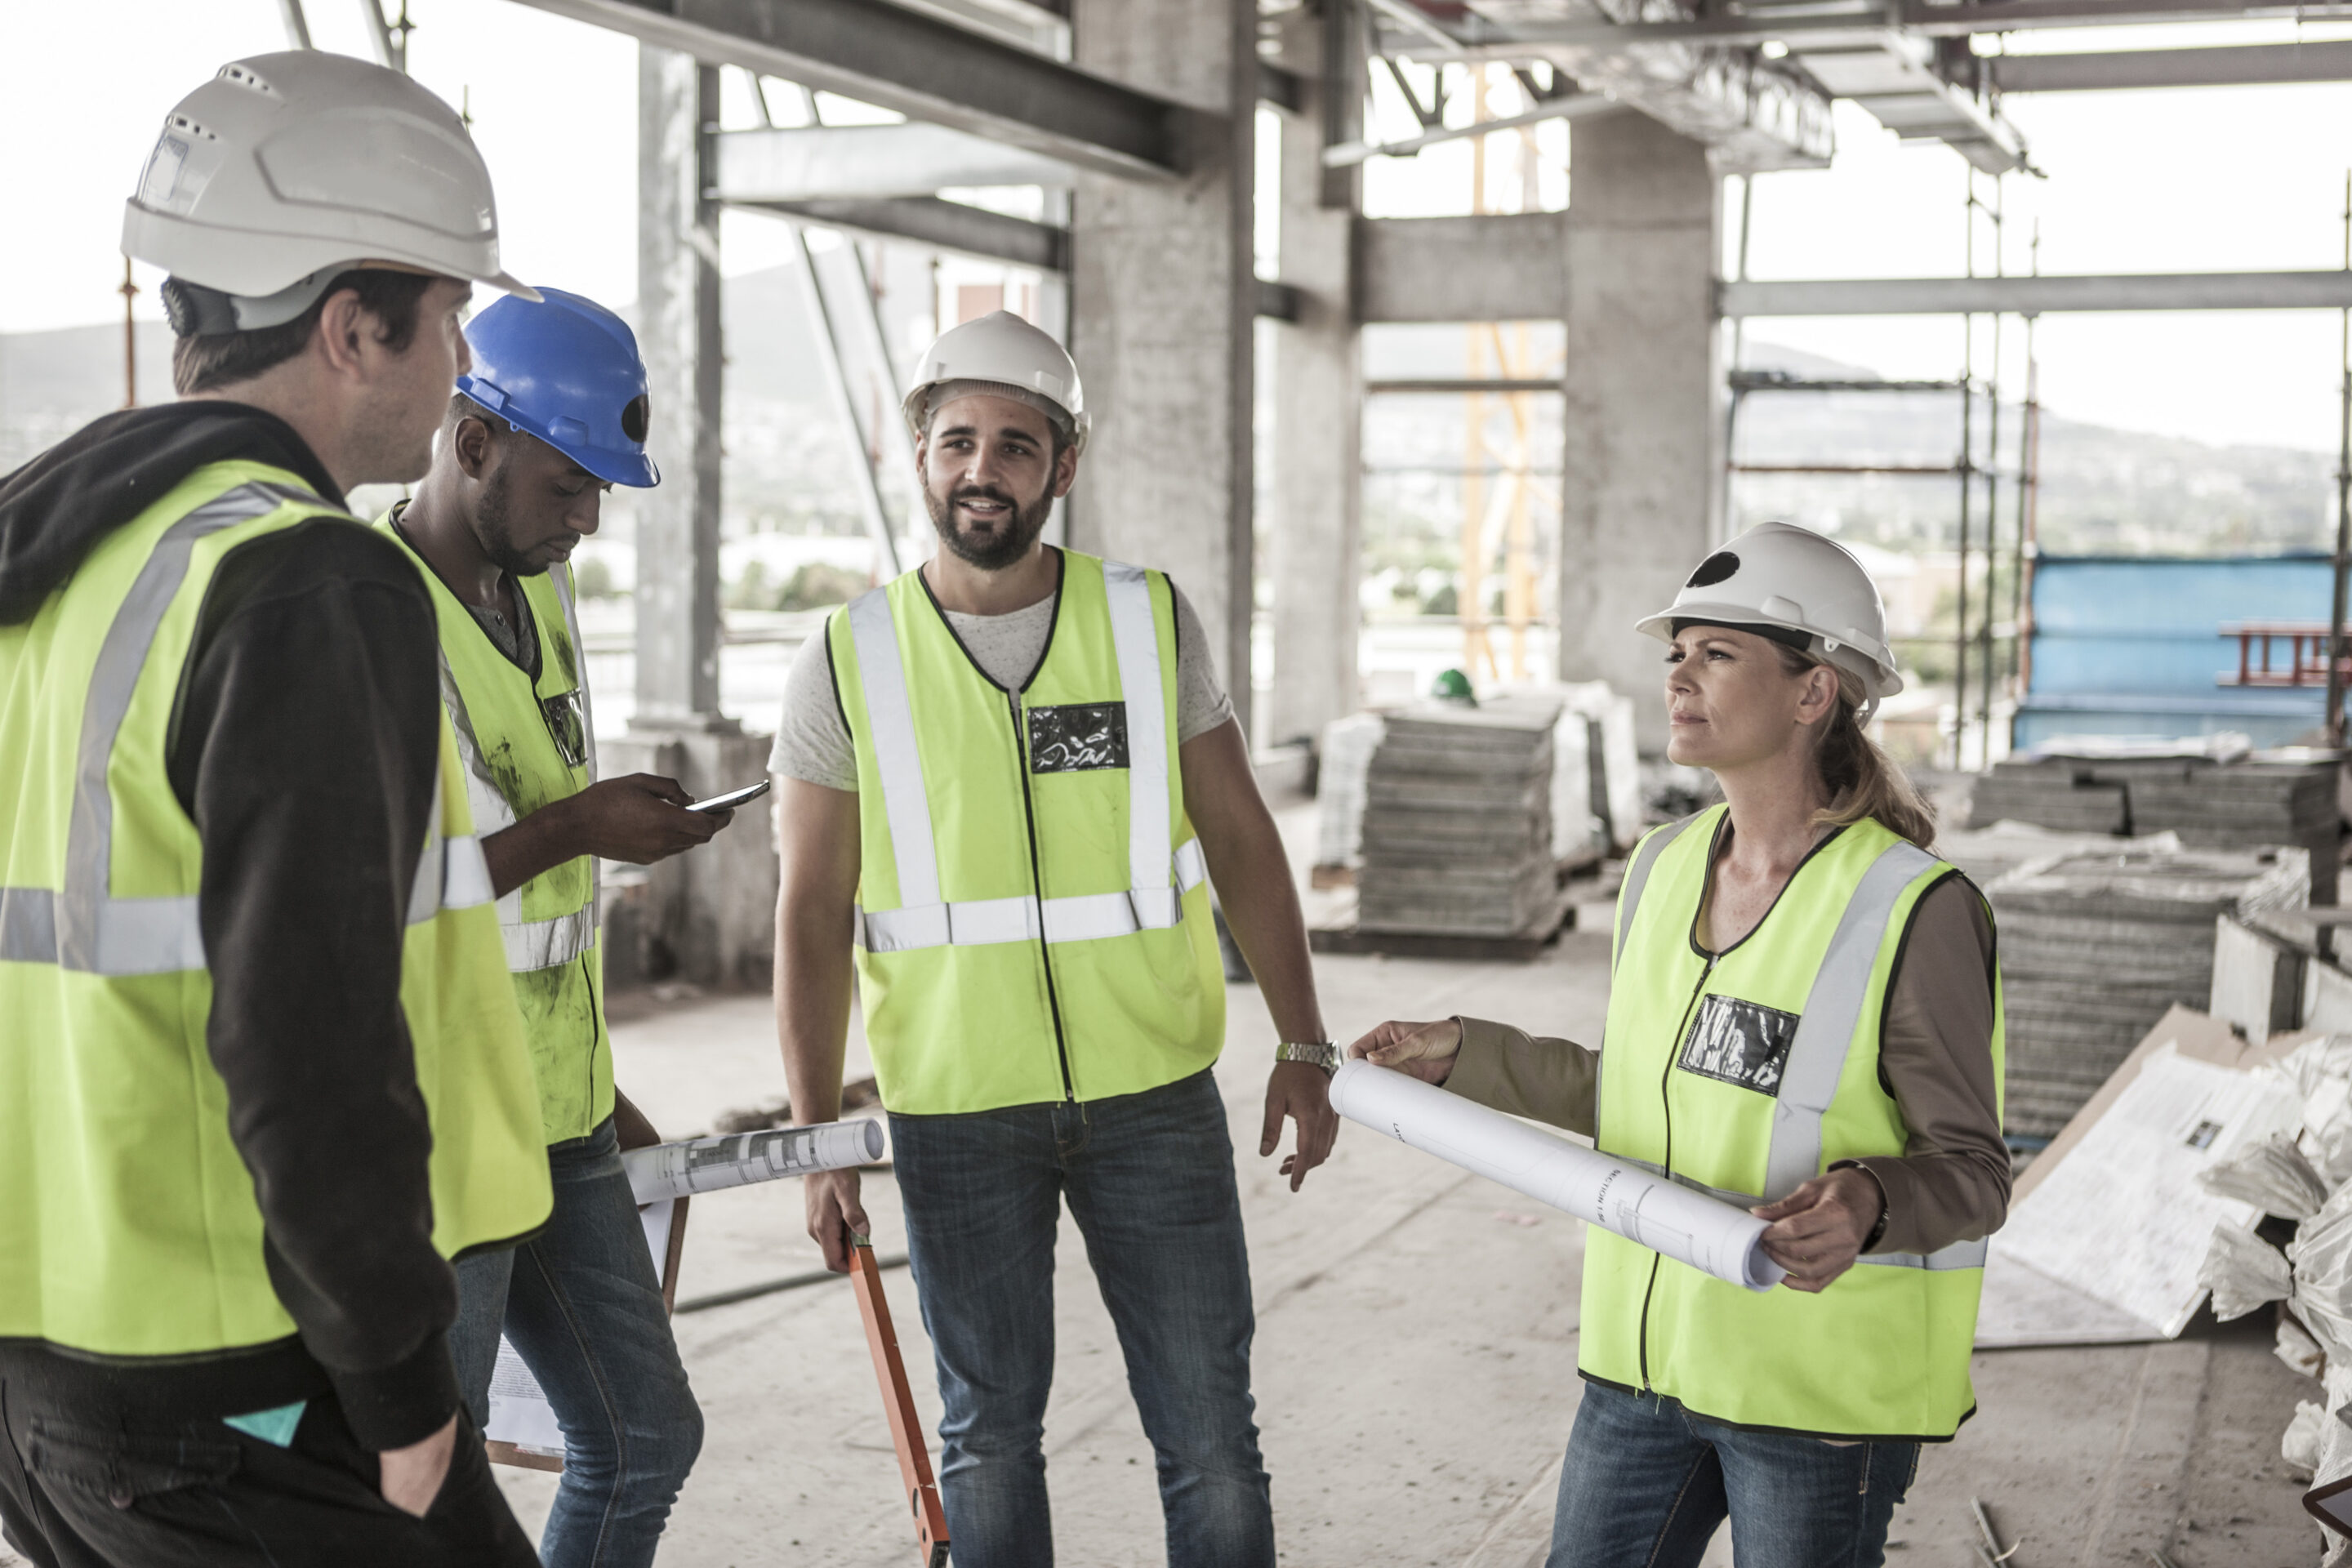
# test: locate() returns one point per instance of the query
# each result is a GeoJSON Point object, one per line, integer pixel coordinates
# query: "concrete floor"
{"type": "Point", "coordinates": [1415, 1357]}
{"type": "Point", "coordinates": [1415, 1360]}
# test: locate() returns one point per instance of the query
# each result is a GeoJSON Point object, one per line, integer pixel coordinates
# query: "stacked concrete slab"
{"type": "Point", "coordinates": [2096, 946]}
{"type": "Point", "coordinates": [2244, 803]}
{"type": "Point", "coordinates": [1458, 831]}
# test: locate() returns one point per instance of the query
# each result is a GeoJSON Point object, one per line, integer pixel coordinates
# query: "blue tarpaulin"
{"type": "Point", "coordinates": [2133, 647]}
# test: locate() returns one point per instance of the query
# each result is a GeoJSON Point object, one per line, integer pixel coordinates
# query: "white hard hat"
{"type": "Point", "coordinates": [1778, 577]}
{"type": "Point", "coordinates": [286, 169]}
{"type": "Point", "coordinates": [1002, 349]}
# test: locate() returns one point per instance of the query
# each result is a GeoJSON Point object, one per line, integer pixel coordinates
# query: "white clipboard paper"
{"type": "Point", "coordinates": [1668, 1218]}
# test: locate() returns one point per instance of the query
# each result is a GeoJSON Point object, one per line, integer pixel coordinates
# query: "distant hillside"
{"type": "Point", "coordinates": [2103, 491]}
{"type": "Point", "coordinates": [787, 465]}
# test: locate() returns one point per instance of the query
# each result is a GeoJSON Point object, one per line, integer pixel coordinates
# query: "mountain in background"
{"type": "Point", "coordinates": [2103, 491]}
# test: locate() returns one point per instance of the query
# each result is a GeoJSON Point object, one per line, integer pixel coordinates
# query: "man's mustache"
{"type": "Point", "coordinates": [983, 492]}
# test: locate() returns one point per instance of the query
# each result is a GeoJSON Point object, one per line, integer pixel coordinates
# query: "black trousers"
{"type": "Point", "coordinates": [114, 1488]}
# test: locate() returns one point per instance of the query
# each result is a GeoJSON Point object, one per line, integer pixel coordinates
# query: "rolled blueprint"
{"type": "Point", "coordinates": [738, 1158]}
{"type": "Point", "coordinates": [1666, 1217]}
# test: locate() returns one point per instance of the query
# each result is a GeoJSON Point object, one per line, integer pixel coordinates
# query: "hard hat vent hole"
{"type": "Point", "coordinates": [245, 78]}
{"type": "Point", "coordinates": [636, 418]}
{"type": "Point", "coordinates": [1715, 569]}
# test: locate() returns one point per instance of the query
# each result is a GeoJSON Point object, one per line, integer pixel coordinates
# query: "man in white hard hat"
{"type": "Point", "coordinates": [1009, 776]}
{"type": "Point", "coordinates": [264, 1072]}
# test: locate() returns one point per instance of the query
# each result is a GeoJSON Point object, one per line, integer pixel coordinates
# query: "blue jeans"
{"type": "Point", "coordinates": [1150, 1180]}
{"type": "Point", "coordinates": [1648, 1482]}
{"type": "Point", "coordinates": [582, 1304]}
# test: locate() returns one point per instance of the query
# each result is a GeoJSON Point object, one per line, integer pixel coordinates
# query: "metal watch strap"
{"type": "Point", "coordinates": [1323, 1054]}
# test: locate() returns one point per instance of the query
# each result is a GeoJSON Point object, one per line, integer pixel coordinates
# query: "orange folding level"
{"type": "Point", "coordinates": [899, 1404]}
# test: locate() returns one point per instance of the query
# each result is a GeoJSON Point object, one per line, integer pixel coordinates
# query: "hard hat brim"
{"type": "Point", "coordinates": [1883, 679]}
{"type": "Point", "coordinates": [229, 260]}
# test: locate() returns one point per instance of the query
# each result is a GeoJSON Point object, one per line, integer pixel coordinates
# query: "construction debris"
{"type": "Point", "coordinates": [2096, 946]}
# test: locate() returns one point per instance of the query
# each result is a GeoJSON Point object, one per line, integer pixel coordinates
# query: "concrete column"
{"type": "Point", "coordinates": [1644, 387]}
{"type": "Point", "coordinates": [705, 915]}
{"type": "Point", "coordinates": [1163, 300]}
{"type": "Point", "coordinates": [679, 333]}
{"type": "Point", "coordinates": [1314, 552]}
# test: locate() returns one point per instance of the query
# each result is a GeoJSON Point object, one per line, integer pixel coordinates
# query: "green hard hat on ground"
{"type": "Point", "coordinates": [1452, 686]}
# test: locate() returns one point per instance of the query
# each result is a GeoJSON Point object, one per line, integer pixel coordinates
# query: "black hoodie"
{"type": "Point", "coordinates": [303, 746]}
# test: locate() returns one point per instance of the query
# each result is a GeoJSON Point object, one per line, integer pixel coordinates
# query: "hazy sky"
{"type": "Point", "coordinates": [2179, 180]}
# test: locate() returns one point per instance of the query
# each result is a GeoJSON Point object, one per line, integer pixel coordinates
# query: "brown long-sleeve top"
{"type": "Point", "coordinates": [1935, 1057]}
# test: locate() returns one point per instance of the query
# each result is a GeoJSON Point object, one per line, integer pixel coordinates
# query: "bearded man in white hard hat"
{"type": "Point", "coordinates": [1010, 777]}
{"type": "Point", "coordinates": [264, 1072]}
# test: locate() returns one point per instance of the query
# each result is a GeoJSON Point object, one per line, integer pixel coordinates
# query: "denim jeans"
{"type": "Point", "coordinates": [1648, 1482]}
{"type": "Point", "coordinates": [1150, 1179]}
{"type": "Point", "coordinates": [581, 1303]}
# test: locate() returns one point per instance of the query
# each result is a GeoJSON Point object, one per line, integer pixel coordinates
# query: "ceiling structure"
{"type": "Point", "coordinates": [1754, 80]}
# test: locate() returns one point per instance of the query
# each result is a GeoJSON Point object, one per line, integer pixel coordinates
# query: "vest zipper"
{"type": "Point", "coordinates": [1037, 890]}
{"type": "Point", "coordinates": [1666, 1104]}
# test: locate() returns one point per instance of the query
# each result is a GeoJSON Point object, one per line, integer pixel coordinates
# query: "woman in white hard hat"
{"type": "Point", "coordinates": [1805, 1019]}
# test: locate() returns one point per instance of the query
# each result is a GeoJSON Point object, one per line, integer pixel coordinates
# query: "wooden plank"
{"type": "Point", "coordinates": [899, 1404]}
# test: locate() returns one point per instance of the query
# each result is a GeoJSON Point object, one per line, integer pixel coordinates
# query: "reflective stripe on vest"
{"type": "Point", "coordinates": [1637, 877]}
{"type": "Point", "coordinates": [1958, 1255]}
{"type": "Point", "coordinates": [1159, 877]}
{"type": "Point", "coordinates": [86, 927]}
{"type": "Point", "coordinates": [1825, 1033]}
{"type": "Point", "coordinates": [560, 939]}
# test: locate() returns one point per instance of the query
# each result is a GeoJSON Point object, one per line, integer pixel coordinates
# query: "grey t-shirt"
{"type": "Point", "coordinates": [812, 743]}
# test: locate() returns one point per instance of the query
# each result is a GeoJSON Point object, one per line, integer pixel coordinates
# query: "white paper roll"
{"type": "Point", "coordinates": [1666, 1217]}
{"type": "Point", "coordinates": [738, 1158]}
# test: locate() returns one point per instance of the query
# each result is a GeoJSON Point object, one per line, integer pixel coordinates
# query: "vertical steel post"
{"type": "Point", "coordinates": [2335, 711]}
{"type": "Point", "coordinates": [1966, 467]}
{"type": "Point", "coordinates": [845, 406]}
{"type": "Point", "coordinates": [130, 339]}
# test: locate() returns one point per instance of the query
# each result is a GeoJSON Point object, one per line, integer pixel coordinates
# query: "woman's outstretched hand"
{"type": "Point", "coordinates": [1424, 1050]}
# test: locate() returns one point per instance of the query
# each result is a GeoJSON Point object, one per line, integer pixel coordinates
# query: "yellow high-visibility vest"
{"type": "Point", "coordinates": [128, 1221]}
{"type": "Point", "coordinates": [1032, 910]}
{"type": "Point", "coordinates": [1747, 1074]}
{"type": "Point", "coordinates": [526, 744]}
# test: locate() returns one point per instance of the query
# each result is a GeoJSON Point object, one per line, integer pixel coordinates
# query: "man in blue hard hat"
{"type": "Point", "coordinates": [552, 415]}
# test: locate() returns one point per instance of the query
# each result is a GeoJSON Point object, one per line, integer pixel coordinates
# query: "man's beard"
{"type": "Point", "coordinates": [494, 527]}
{"type": "Point", "coordinates": [997, 549]}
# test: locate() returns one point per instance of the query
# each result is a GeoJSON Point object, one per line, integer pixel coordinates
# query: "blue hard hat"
{"type": "Point", "coordinates": [566, 370]}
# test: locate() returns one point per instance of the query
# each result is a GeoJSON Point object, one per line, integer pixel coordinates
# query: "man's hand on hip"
{"type": "Point", "coordinates": [411, 1477]}
{"type": "Point", "coordinates": [1302, 1091]}
{"type": "Point", "coordinates": [835, 1214]}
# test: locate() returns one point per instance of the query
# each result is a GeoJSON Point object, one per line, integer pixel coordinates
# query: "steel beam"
{"type": "Point", "coordinates": [1856, 24]}
{"type": "Point", "coordinates": [2036, 296]}
{"type": "Point", "coordinates": [940, 225]}
{"type": "Point", "coordinates": [1954, 18]}
{"type": "Point", "coordinates": [2237, 66]}
{"type": "Point", "coordinates": [921, 67]}
{"type": "Point", "coordinates": [821, 162]}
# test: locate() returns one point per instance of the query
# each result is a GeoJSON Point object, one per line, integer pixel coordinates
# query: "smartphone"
{"type": "Point", "coordinates": [732, 798]}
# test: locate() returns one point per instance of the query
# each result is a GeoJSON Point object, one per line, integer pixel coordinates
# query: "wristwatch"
{"type": "Point", "coordinates": [1322, 1053]}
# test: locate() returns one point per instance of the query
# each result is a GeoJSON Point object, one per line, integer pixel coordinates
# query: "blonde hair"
{"type": "Point", "coordinates": [1862, 780]}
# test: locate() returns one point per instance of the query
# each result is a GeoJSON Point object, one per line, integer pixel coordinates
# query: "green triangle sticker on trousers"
{"type": "Point", "coordinates": [275, 1427]}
